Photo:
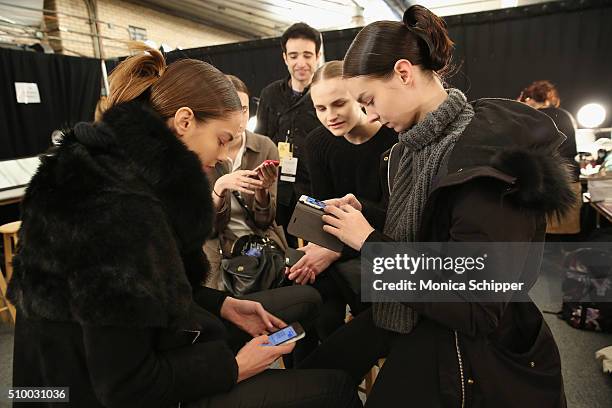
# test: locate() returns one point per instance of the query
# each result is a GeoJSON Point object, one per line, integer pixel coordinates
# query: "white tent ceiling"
{"type": "Point", "coordinates": [269, 18]}
{"type": "Point", "coordinates": [260, 18]}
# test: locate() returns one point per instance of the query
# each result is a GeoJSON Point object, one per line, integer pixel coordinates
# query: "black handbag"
{"type": "Point", "coordinates": [259, 266]}
{"type": "Point", "coordinates": [256, 263]}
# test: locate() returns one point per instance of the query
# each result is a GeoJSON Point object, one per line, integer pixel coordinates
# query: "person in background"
{"type": "Point", "coordinates": [237, 178]}
{"type": "Point", "coordinates": [107, 280]}
{"type": "Point", "coordinates": [543, 96]}
{"type": "Point", "coordinates": [344, 158]}
{"type": "Point", "coordinates": [246, 154]}
{"type": "Point", "coordinates": [286, 115]}
{"type": "Point", "coordinates": [467, 172]}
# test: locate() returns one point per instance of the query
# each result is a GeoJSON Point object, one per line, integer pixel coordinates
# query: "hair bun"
{"type": "Point", "coordinates": [410, 18]}
{"type": "Point", "coordinates": [432, 30]}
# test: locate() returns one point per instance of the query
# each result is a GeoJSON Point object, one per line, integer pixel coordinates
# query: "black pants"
{"type": "Point", "coordinates": [338, 286]}
{"type": "Point", "coordinates": [289, 389]}
{"type": "Point", "coordinates": [410, 374]}
{"type": "Point", "coordinates": [286, 388]}
{"type": "Point", "coordinates": [290, 304]}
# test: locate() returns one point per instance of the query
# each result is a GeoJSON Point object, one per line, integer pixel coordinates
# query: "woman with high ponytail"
{"type": "Point", "coordinates": [482, 171]}
{"type": "Point", "coordinates": [108, 277]}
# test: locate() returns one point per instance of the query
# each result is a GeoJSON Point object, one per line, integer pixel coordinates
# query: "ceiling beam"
{"type": "Point", "coordinates": [198, 19]}
{"type": "Point", "coordinates": [251, 11]}
{"type": "Point", "coordinates": [396, 7]}
{"type": "Point", "coordinates": [203, 8]}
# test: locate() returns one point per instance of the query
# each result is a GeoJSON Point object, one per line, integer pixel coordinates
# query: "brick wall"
{"type": "Point", "coordinates": [73, 31]}
{"type": "Point", "coordinates": [117, 16]}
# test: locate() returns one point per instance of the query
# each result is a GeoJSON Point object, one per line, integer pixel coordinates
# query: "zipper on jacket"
{"type": "Point", "coordinates": [460, 361]}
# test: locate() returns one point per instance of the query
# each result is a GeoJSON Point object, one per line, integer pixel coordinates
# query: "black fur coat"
{"type": "Point", "coordinates": [108, 266]}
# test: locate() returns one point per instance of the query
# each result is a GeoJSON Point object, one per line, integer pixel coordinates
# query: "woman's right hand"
{"type": "Point", "coordinates": [256, 356]}
{"type": "Point", "coordinates": [245, 181]}
{"type": "Point", "coordinates": [348, 199]}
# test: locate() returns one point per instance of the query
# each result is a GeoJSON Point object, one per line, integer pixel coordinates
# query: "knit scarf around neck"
{"type": "Point", "coordinates": [425, 147]}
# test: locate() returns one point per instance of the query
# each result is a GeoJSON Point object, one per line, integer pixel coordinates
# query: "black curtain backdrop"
{"type": "Point", "coordinates": [568, 43]}
{"type": "Point", "coordinates": [499, 53]}
{"type": "Point", "coordinates": [69, 90]}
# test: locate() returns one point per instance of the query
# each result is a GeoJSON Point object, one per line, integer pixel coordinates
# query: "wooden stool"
{"type": "Point", "coordinates": [370, 377]}
{"type": "Point", "coordinates": [10, 239]}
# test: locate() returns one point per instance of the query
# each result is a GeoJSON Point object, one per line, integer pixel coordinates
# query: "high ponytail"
{"type": "Point", "coordinates": [185, 83]}
{"type": "Point", "coordinates": [421, 38]}
{"type": "Point", "coordinates": [132, 77]}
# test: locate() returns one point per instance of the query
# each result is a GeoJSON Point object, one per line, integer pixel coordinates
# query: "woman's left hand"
{"type": "Point", "coordinates": [250, 316]}
{"type": "Point", "coordinates": [347, 224]}
{"type": "Point", "coordinates": [267, 174]}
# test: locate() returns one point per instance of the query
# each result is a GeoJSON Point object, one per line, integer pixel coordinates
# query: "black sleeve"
{"type": "Point", "coordinates": [374, 237]}
{"type": "Point", "coordinates": [263, 115]}
{"type": "Point", "coordinates": [196, 266]}
{"type": "Point", "coordinates": [376, 217]}
{"type": "Point", "coordinates": [321, 185]}
{"type": "Point", "coordinates": [374, 212]}
{"type": "Point", "coordinates": [479, 215]}
{"type": "Point", "coordinates": [302, 185]}
{"type": "Point", "coordinates": [127, 371]}
{"type": "Point", "coordinates": [377, 236]}
{"type": "Point", "coordinates": [209, 299]}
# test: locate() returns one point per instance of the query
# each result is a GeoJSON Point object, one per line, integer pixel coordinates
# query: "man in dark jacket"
{"type": "Point", "coordinates": [286, 114]}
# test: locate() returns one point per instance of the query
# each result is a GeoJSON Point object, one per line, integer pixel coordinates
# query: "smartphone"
{"type": "Point", "coordinates": [259, 168]}
{"type": "Point", "coordinates": [289, 334]}
{"type": "Point", "coordinates": [274, 162]}
{"type": "Point", "coordinates": [307, 223]}
{"type": "Point", "coordinates": [292, 256]}
{"type": "Point", "coordinates": [312, 202]}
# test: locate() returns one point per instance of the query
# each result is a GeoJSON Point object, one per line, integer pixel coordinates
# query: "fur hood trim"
{"type": "Point", "coordinates": [522, 144]}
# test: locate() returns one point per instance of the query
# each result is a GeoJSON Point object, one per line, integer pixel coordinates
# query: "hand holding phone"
{"type": "Point", "coordinates": [253, 358]}
{"type": "Point", "coordinates": [267, 164]}
{"type": "Point", "coordinates": [289, 334]}
{"type": "Point", "coordinates": [243, 181]}
{"type": "Point", "coordinates": [349, 199]}
{"type": "Point", "coordinates": [271, 163]}
{"type": "Point", "coordinates": [267, 172]}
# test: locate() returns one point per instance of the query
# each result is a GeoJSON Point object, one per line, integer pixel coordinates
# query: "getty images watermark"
{"type": "Point", "coordinates": [468, 271]}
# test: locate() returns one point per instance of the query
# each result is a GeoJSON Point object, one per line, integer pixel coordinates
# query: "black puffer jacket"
{"type": "Point", "coordinates": [501, 179]}
{"type": "Point", "coordinates": [113, 226]}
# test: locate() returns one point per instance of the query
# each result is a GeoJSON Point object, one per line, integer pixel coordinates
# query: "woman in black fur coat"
{"type": "Point", "coordinates": [108, 274]}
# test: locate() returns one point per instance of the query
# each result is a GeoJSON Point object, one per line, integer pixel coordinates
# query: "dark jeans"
{"type": "Point", "coordinates": [410, 374]}
{"type": "Point", "coordinates": [287, 388]}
